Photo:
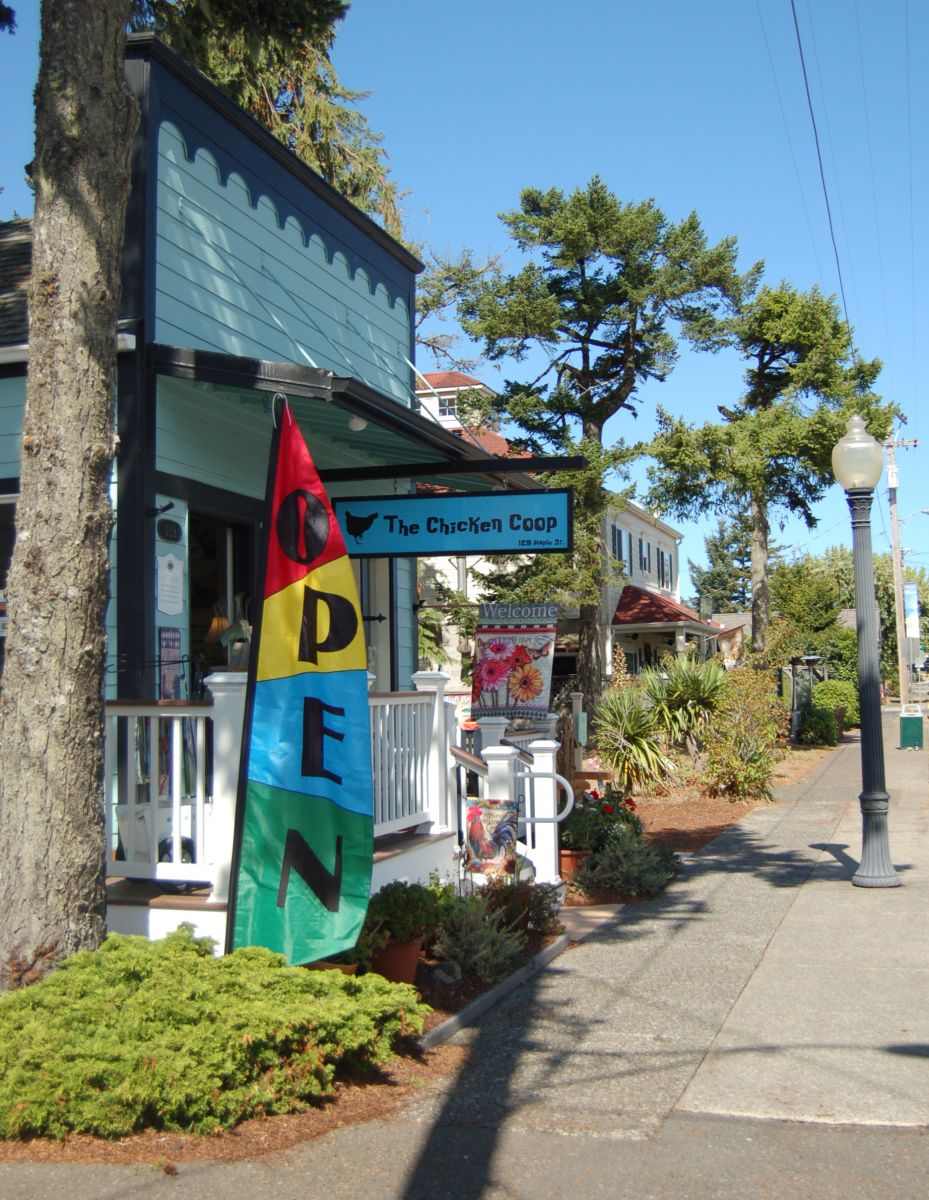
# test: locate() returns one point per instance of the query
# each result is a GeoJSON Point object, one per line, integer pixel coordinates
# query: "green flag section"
{"type": "Point", "coordinates": [302, 853]}
{"type": "Point", "coordinates": [320, 886]}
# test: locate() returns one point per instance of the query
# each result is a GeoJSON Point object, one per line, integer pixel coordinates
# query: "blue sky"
{"type": "Point", "coordinates": [698, 106]}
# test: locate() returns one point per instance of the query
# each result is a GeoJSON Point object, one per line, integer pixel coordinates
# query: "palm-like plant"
{"type": "Point", "coordinates": [684, 694]}
{"type": "Point", "coordinates": [627, 738]}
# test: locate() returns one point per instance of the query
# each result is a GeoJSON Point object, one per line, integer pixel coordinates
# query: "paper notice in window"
{"type": "Point", "coordinates": [170, 585]}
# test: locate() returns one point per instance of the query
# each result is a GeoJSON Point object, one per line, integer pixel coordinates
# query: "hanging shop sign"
{"type": "Point", "coordinates": [302, 851]}
{"type": "Point", "coordinates": [477, 523]}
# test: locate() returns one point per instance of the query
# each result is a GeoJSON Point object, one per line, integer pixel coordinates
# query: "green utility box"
{"type": "Point", "coordinates": [911, 728]}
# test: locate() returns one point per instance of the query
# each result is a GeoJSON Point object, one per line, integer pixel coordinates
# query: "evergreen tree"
{"type": "Point", "coordinates": [772, 449]}
{"type": "Point", "coordinates": [724, 584]}
{"type": "Point", "coordinates": [607, 289]}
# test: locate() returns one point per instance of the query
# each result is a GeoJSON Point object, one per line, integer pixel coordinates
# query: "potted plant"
{"type": "Point", "coordinates": [399, 919]}
{"type": "Point", "coordinates": [591, 825]}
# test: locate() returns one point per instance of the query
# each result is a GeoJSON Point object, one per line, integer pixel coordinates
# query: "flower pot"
{"type": "Point", "coordinates": [325, 965]}
{"type": "Point", "coordinates": [569, 861]}
{"type": "Point", "coordinates": [397, 961]}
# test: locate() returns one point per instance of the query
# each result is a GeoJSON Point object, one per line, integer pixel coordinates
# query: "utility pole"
{"type": "Point", "coordinates": [903, 666]}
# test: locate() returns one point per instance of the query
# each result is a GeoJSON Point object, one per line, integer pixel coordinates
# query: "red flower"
{"type": "Point", "coordinates": [630, 804]}
{"type": "Point", "coordinates": [520, 657]}
{"type": "Point", "coordinates": [595, 796]}
{"type": "Point", "coordinates": [607, 809]}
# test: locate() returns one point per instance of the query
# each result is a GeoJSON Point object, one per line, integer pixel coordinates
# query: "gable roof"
{"type": "Point", "coordinates": [450, 379]}
{"type": "Point", "coordinates": [15, 264]}
{"type": "Point", "coordinates": [638, 606]}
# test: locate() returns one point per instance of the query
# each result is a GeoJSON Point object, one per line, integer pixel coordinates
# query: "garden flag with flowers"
{"type": "Point", "coordinates": [513, 650]}
{"type": "Point", "coordinates": [301, 872]}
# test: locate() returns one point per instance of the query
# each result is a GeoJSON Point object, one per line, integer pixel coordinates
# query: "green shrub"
{"type": "Point", "coordinates": [475, 937]}
{"type": "Point", "coordinates": [404, 911]}
{"type": "Point", "coordinates": [684, 693]}
{"type": "Point", "coordinates": [522, 904]}
{"type": "Point", "coordinates": [746, 737]}
{"type": "Point", "coordinates": [163, 1035]}
{"type": "Point", "coordinates": [839, 693]}
{"type": "Point", "coordinates": [630, 866]}
{"type": "Point", "coordinates": [817, 727]}
{"type": "Point", "coordinates": [627, 739]}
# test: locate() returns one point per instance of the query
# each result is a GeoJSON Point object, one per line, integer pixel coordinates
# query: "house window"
{"type": "Point", "coordinates": [617, 543]}
{"type": "Point", "coordinates": [448, 406]}
{"type": "Point", "coordinates": [665, 570]}
{"type": "Point", "coordinates": [645, 557]}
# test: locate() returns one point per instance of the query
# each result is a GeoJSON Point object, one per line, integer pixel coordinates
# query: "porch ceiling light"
{"type": "Point", "coordinates": [356, 423]}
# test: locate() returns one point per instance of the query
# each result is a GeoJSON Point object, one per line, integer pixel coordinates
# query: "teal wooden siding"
{"type": "Point", "coordinates": [220, 437]}
{"type": "Point", "coordinates": [12, 403]}
{"type": "Point", "coordinates": [228, 278]}
{"type": "Point", "coordinates": [406, 649]}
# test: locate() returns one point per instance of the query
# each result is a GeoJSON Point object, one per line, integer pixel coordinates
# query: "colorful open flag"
{"type": "Point", "coordinates": [301, 871]}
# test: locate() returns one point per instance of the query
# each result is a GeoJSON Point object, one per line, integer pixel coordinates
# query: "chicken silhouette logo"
{"type": "Point", "coordinates": [356, 527]}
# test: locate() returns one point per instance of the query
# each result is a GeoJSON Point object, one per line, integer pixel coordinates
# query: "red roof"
{"type": "Point", "coordinates": [637, 606]}
{"type": "Point", "coordinates": [450, 379]}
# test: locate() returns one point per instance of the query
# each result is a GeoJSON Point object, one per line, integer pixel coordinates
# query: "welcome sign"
{"type": "Point", "coordinates": [514, 645]}
{"type": "Point", "coordinates": [477, 523]}
{"type": "Point", "coordinates": [304, 822]}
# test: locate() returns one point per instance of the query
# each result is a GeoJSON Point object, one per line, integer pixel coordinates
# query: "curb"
{"type": "Point", "coordinates": [470, 1013]}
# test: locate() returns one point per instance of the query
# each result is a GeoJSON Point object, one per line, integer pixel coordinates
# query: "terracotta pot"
{"type": "Point", "coordinates": [569, 861]}
{"type": "Point", "coordinates": [397, 961]}
{"type": "Point", "coordinates": [325, 965]}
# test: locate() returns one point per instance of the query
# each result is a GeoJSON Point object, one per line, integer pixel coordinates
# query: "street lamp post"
{"type": "Point", "coordinates": [857, 461]}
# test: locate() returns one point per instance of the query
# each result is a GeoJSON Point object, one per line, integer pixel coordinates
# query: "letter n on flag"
{"type": "Point", "coordinates": [301, 866]}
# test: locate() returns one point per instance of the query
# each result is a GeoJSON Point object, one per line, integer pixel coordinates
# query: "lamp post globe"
{"type": "Point", "coordinates": [857, 461]}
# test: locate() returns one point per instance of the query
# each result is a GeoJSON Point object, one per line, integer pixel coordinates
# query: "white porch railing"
{"type": "Point", "coordinates": [171, 776]}
{"type": "Point", "coordinates": [157, 806]}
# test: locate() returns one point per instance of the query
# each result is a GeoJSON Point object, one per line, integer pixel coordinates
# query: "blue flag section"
{"type": "Point", "coordinates": [301, 871]}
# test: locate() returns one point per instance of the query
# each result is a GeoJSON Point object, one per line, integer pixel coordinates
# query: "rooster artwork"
{"type": "Point", "coordinates": [490, 840]}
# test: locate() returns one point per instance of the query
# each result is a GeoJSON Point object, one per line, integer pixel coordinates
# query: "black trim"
{"type": "Point", "coordinates": [135, 536]}
{"type": "Point", "coordinates": [9, 487]}
{"type": "Point", "coordinates": [147, 46]}
{"type": "Point", "coordinates": [13, 370]}
{"type": "Point", "coordinates": [392, 627]}
{"type": "Point", "coordinates": [472, 466]}
{"type": "Point", "coordinates": [209, 500]}
{"type": "Point", "coordinates": [207, 366]}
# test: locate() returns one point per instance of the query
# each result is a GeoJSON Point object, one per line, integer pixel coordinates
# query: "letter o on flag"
{"type": "Point", "coordinates": [301, 513]}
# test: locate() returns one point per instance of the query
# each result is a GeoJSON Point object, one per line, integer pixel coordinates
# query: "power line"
{"type": "Point", "coordinates": [790, 144]}
{"type": "Point", "coordinates": [819, 159]}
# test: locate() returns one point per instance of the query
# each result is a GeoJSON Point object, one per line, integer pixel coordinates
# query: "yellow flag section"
{"type": "Point", "coordinates": [317, 632]}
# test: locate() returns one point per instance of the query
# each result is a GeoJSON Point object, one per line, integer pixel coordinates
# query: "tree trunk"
{"type": "Point", "coordinates": [760, 602]}
{"type": "Point", "coordinates": [589, 654]}
{"type": "Point", "coordinates": [52, 879]}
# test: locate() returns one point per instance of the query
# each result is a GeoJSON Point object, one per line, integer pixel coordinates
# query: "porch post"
{"type": "Point", "coordinates": [544, 854]}
{"type": "Point", "coordinates": [492, 730]}
{"type": "Point", "coordinates": [437, 748]}
{"type": "Point", "coordinates": [228, 691]}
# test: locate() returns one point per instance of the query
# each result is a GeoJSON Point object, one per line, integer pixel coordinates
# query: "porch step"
{"type": "Point", "coordinates": [143, 893]}
{"type": "Point", "coordinates": [413, 857]}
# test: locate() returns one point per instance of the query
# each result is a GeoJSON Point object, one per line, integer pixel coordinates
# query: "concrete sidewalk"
{"type": "Point", "coordinates": [760, 1029]}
